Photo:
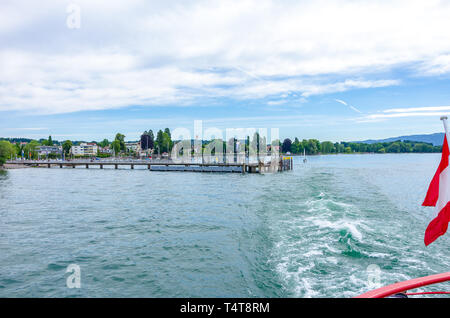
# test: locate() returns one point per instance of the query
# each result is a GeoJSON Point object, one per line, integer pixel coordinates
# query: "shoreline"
{"type": "Point", "coordinates": [363, 153]}
{"type": "Point", "coordinates": [7, 166]}
{"type": "Point", "coordinates": [11, 167]}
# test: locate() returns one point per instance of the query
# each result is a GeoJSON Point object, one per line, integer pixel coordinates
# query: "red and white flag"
{"type": "Point", "coordinates": [438, 195]}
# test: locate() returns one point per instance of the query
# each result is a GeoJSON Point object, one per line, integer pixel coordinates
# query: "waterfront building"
{"type": "Point", "coordinates": [133, 146]}
{"type": "Point", "coordinates": [105, 150]}
{"type": "Point", "coordinates": [46, 150]}
{"type": "Point", "coordinates": [85, 149]}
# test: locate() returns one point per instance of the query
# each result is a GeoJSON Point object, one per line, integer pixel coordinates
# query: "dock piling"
{"type": "Point", "coordinates": [242, 166]}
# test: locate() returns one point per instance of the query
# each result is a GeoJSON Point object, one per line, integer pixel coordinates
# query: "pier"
{"type": "Point", "coordinates": [241, 166]}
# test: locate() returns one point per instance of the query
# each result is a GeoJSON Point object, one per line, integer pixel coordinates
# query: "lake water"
{"type": "Point", "coordinates": [310, 232]}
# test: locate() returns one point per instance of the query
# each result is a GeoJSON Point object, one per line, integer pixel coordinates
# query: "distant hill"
{"type": "Point", "coordinates": [435, 139]}
{"type": "Point", "coordinates": [14, 140]}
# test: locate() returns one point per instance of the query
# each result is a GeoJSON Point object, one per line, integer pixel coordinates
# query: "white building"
{"type": "Point", "coordinates": [46, 150]}
{"type": "Point", "coordinates": [133, 146]}
{"type": "Point", "coordinates": [105, 150]}
{"type": "Point", "coordinates": [85, 149]}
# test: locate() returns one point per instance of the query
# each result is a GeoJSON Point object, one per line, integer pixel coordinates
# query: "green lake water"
{"type": "Point", "coordinates": [310, 232]}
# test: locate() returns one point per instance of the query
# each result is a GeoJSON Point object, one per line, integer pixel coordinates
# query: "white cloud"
{"type": "Point", "coordinates": [277, 102]}
{"type": "Point", "coordinates": [431, 111]}
{"type": "Point", "coordinates": [408, 114]}
{"type": "Point", "coordinates": [436, 66]}
{"type": "Point", "coordinates": [346, 85]}
{"type": "Point", "coordinates": [417, 109]}
{"type": "Point", "coordinates": [154, 53]}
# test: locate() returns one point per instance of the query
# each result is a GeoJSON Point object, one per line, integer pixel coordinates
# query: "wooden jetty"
{"type": "Point", "coordinates": [282, 164]}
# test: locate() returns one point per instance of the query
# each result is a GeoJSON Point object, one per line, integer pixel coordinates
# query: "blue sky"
{"type": "Point", "coordinates": [332, 70]}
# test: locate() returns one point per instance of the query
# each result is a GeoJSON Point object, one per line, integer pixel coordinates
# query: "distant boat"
{"type": "Point", "coordinates": [304, 156]}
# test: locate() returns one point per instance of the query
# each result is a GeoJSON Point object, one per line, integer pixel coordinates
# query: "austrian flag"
{"type": "Point", "coordinates": [438, 195]}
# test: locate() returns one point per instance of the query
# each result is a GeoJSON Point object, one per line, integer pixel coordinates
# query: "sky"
{"type": "Point", "coordinates": [331, 70]}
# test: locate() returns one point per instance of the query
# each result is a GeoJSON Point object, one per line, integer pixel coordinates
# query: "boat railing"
{"type": "Point", "coordinates": [404, 287]}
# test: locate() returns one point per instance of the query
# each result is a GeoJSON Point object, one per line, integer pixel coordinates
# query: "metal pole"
{"type": "Point", "coordinates": [444, 121]}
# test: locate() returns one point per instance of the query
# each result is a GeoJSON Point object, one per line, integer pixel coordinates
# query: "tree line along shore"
{"type": "Point", "coordinates": [163, 143]}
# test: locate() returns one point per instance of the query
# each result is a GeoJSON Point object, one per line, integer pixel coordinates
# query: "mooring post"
{"type": "Point", "coordinates": [49, 165]}
{"type": "Point", "coordinates": [87, 166]}
{"type": "Point", "coordinates": [148, 166]}
{"type": "Point", "coordinates": [243, 167]}
{"type": "Point", "coordinates": [132, 166]}
{"type": "Point", "coordinates": [101, 166]}
{"type": "Point", "coordinates": [116, 166]}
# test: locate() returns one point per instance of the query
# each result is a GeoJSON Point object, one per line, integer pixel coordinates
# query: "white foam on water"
{"type": "Point", "coordinates": [378, 255]}
{"type": "Point", "coordinates": [340, 225]}
{"type": "Point", "coordinates": [305, 289]}
{"type": "Point", "coordinates": [293, 264]}
{"type": "Point", "coordinates": [350, 225]}
{"type": "Point", "coordinates": [332, 260]}
{"type": "Point", "coordinates": [313, 253]}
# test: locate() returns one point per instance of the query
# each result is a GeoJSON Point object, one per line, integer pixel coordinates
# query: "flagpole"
{"type": "Point", "coordinates": [444, 121]}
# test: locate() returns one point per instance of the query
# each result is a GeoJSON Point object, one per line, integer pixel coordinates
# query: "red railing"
{"type": "Point", "coordinates": [402, 287]}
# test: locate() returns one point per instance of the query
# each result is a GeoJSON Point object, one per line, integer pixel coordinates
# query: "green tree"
{"type": "Point", "coordinates": [7, 150]}
{"type": "Point", "coordinates": [152, 136]}
{"type": "Point", "coordinates": [167, 131]}
{"type": "Point", "coordinates": [327, 147]}
{"type": "Point", "coordinates": [295, 147]}
{"type": "Point", "coordinates": [115, 145]}
{"type": "Point", "coordinates": [30, 150]}
{"type": "Point", "coordinates": [312, 146]}
{"type": "Point", "coordinates": [19, 149]}
{"type": "Point", "coordinates": [121, 139]}
{"type": "Point", "coordinates": [340, 148]}
{"type": "Point", "coordinates": [104, 143]}
{"type": "Point", "coordinates": [394, 147]}
{"type": "Point", "coordinates": [286, 146]}
{"type": "Point", "coordinates": [147, 140]}
{"type": "Point", "coordinates": [66, 146]}
{"type": "Point", "coordinates": [46, 142]}
{"type": "Point", "coordinates": [163, 141]}
{"type": "Point", "coordinates": [159, 142]}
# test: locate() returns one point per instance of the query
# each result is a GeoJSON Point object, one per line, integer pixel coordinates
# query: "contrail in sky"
{"type": "Point", "coordinates": [350, 106]}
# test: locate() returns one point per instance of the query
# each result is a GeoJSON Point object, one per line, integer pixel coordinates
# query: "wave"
{"type": "Point", "coordinates": [313, 240]}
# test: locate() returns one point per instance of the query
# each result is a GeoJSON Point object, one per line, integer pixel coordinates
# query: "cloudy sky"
{"type": "Point", "coordinates": [333, 70]}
